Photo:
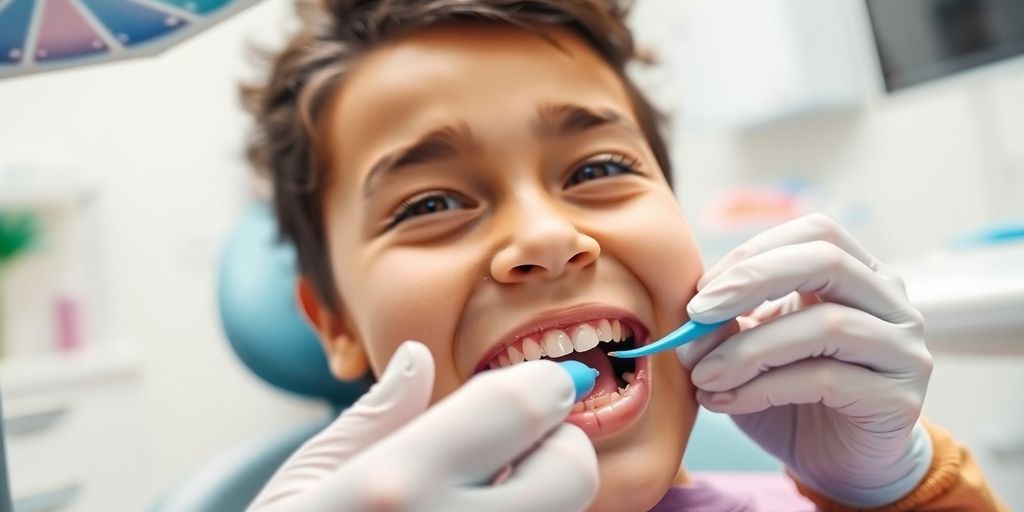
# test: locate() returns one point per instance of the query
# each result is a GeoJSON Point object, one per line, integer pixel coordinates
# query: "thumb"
{"type": "Point", "coordinates": [402, 393]}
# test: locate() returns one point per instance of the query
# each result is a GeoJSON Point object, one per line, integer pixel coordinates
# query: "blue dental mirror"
{"type": "Point", "coordinates": [686, 333]}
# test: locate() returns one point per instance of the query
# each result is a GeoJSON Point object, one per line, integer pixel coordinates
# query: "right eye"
{"type": "Point", "coordinates": [426, 204]}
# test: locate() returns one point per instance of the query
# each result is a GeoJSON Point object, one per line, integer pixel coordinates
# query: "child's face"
{"type": "Point", "coordinates": [495, 228]}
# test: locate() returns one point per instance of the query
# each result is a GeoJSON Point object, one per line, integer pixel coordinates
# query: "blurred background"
{"type": "Point", "coordinates": [121, 184]}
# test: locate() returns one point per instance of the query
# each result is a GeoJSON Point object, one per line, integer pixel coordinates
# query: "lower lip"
{"type": "Point", "coordinates": [615, 416]}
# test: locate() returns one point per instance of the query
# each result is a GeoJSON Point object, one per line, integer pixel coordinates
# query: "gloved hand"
{"type": "Point", "coordinates": [388, 452]}
{"type": "Point", "coordinates": [826, 369]}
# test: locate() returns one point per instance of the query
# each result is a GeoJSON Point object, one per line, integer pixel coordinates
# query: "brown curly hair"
{"type": "Point", "coordinates": [334, 33]}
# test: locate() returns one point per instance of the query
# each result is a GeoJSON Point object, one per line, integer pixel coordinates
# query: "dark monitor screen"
{"type": "Point", "coordinates": [921, 40]}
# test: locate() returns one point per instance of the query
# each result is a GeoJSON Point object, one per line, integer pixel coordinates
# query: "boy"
{"type": "Point", "coordinates": [481, 176]}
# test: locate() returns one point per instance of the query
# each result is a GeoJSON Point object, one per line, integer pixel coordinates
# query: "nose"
{"type": "Point", "coordinates": [544, 245]}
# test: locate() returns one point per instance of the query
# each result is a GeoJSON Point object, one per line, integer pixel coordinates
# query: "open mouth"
{"type": "Point", "coordinates": [622, 388]}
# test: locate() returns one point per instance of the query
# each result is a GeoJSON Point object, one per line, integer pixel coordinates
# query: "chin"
{"type": "Point", "coordinates": [628, 486]}
{"type": "Point", "coordinates": [636, 471]}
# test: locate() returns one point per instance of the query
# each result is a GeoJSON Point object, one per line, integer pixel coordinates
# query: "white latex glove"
{"type": "Point", "coordinates": [829, 375]}
{"type": "Point", "coordinates": [388, 452]}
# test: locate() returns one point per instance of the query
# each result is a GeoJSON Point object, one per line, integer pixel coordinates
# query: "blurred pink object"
{"type": "Point", "coordinates": [742, 208]}
{"type": "Point", "coordinates": [69, 319]}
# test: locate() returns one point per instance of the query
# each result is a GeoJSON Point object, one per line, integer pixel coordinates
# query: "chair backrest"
{"type": "Point", "coordinates": [229, 482]}
{"type": "Point", "coordinates": [262, 322]}
{"type": "Point", "coordinates": [261, 318]}
{"type": "Point", "coordinates": [717, 444]}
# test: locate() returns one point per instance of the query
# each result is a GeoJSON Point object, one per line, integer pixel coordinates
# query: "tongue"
{"type": "Point", "coordinates": [597, 360]}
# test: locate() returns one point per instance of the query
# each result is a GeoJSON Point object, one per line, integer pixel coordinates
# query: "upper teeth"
{"type": "Point", "coordinates": [559, 342]}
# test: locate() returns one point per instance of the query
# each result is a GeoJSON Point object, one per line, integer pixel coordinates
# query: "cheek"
{"type": "Point", "coordinates": [673, 397]}
{"type": "Point", "coordinates": [653, 240]}
{"type": "Point", "coordinates": [673, 406]}
{"type": "Point", "coordinates": [412, 294]}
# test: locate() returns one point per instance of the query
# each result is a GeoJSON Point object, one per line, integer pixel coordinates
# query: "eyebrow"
{"type": "Point", "coordinates": [557, 119]}
{"type": "Point", "coordinates": [439, 144]}
{"type": "Point", "coordinates": [567, 119]}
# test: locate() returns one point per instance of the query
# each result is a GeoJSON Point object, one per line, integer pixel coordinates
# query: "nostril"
{"type": "Point", "coordinates": [583, 257]}
{"type": "Point", "coordinates": [523, 269]}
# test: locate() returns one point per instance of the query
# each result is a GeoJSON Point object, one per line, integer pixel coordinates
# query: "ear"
{"type": "Point", "coordinates": [346, 355]}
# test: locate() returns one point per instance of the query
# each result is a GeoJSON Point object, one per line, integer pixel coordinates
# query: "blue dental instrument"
{"type": "Point", "coordinates": [688, 332]}
{"type": "Point", "coordinates": [583, 377]}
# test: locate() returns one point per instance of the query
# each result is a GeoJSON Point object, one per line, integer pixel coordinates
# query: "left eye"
{"type": "Point", "coordinates": [427, 204]}
{"type": "Point", "coordinates": [597, 169]}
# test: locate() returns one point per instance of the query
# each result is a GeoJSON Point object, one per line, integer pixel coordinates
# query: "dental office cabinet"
{"type": "Point", "coordinates": [70, 407]}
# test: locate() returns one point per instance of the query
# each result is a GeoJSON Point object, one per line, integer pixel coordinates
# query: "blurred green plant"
{"type": "Point", "coordinates": [18, 233]}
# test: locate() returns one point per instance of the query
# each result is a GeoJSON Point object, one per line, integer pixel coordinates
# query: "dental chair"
{"type": "Point", "coordinates": [263, 325]}
{"type": "Point", "coordinates": [255, 292]}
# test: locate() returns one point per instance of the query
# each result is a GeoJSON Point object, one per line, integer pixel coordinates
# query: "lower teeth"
{"type": "Point", "coordinates": [593, 403]}
{"type": "Point", "coordinates": [599, 401]}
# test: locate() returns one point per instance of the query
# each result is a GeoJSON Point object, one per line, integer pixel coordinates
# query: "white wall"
{"type": "Point", "coordinates": [923, 165]}
{"type": "Point", "coordinates": [162, 138]}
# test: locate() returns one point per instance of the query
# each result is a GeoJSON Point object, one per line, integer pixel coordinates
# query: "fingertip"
{"type": "Point", "coordinates": [583, 376]}
{"type": "Point", "coordinates": [703, 281]}
{"type": "Point", "coordinates": [710, 369]}
{"type": "Point", "coordinates": [684, 355]}
{"type": "Point", "coordinates": [566, 385]}
{"type": "Point", "coordinates": [698, 304]}
{"type": "Point", "coordinates": [711, 272]}
{"type": "Point", "coordinates": [701, 397]}
{"type": "Point", "coordinates": [411, 357]}
{"type": "Point", "coordinates": [552, 389]}
{"type": "Point", "coordinates": [416, 349]}
{"type": "Point", "coordinates": [693, 314]}
{"type": "Point", "coordinates": [709, 307]}
{"type": "Point", "coordinates": [691, 353]}
{"type": "Point", "coordinates": [742, 400]}
{"type": "Point", "coordinates": [708, 400]}
{"type": "Point", "coordinates": [408, 377]}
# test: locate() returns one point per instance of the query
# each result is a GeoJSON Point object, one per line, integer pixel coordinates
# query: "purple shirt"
{"type": "Point", "coordinates": [735, 492]}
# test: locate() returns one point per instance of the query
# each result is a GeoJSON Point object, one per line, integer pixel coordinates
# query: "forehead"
{"type": "Point", "coordinates": [491, 78]}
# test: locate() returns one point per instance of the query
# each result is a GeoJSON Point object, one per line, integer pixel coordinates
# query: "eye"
{"type": "Point", "coordinates": [426, 204]}
{"type": "Point", "coordinates": [602, 167]}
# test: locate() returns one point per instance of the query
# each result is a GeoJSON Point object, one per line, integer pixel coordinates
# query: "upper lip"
{"type": "Point", "coordinates": [562, 317]}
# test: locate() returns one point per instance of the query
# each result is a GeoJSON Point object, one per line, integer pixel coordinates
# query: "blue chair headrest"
{"type": "Point", "coordinates": [261, 318]}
